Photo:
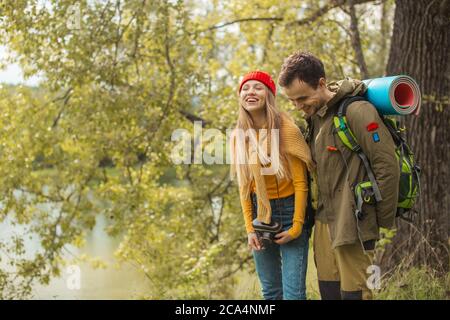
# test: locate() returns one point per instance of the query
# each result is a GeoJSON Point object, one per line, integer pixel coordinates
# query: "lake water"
{"type": "Point", "coordinates": [113, 282]}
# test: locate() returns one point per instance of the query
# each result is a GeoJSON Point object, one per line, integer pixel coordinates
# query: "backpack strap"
{"type": "Point", "coordinates": [349, 139]}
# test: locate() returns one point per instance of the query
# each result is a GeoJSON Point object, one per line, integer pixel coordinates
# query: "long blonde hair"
{"type": "Point", "coordinates": [274, 117]}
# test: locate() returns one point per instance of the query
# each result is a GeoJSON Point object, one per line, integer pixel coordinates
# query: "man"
{"type": "Point", "coordinates": [343, 243]}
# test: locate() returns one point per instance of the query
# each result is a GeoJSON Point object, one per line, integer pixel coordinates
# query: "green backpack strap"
{"type": "Point", "coordinates": [349, 140]}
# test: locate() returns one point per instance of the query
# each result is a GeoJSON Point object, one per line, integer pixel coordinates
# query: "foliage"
{"type": "Point", "coordinates": [112, 93]}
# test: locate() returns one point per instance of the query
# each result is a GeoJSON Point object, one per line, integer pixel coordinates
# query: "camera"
{"type": "Point", "coordinates": [266, 232]}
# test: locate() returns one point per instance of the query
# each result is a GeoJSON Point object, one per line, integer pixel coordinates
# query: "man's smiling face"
{"type": "Point", "coordinates": [304, 97]}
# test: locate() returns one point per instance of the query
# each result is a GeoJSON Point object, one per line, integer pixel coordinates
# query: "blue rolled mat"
{"type": "Point", "coordinates": [395, 95]}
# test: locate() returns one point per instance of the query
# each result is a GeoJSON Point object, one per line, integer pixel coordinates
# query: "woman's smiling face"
{"type": "Point", "coordinates": [253, 95]}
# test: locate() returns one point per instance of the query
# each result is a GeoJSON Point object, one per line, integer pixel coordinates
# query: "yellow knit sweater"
{"type": "Point", "coordinates": [299, 162]}
{"type": "Point", "coordinates": [298, 186]}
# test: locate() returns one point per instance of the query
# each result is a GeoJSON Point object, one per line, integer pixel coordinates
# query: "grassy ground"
{"type": "Point", "coordinates": [415, 284]}
{"type": "Point", "coordinates": [411, 284]}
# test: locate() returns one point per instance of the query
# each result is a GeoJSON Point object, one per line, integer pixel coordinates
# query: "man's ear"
{"type": "Point", "coordinates": [322, 82]}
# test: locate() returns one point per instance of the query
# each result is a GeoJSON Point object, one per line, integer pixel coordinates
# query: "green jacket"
{"type": "Point", "coordinates": [339, 169]}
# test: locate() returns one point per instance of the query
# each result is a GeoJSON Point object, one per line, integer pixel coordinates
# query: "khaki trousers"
{"type": "Point", "coordinates": [341, 271]}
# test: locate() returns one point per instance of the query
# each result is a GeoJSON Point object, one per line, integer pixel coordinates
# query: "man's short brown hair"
{"type": "Point", "coordinates": [303, 66]}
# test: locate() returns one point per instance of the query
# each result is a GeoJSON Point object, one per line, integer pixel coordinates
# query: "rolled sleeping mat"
{"type": "Point", "coordinates": [395, 95]}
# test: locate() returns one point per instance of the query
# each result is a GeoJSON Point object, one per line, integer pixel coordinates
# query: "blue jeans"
{"type": "Point", "coordinates": [282, 268]}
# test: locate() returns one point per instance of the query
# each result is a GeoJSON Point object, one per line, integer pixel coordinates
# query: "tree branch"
{"type": "Point", "coordinates": [332, 4]}
{"type": "Point", "coordinates": [192, 117]}
{"type": "Point", "coordinates": [66, 98]}
{"type": "Point", "coordinates": [356, 41]}
{"type": "Point", "coordinates": [225, 24]}
{"type": "Point", "coordinates": [239, 267]}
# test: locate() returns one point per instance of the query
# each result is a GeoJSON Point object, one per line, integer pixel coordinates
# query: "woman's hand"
{"type": "Point", "coordinates": [253, 242]}
{"type": "Point", "coordinates": [283, 237]}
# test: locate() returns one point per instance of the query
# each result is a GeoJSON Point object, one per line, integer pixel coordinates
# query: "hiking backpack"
{"type": "Point", "coordinates": [368, 191]}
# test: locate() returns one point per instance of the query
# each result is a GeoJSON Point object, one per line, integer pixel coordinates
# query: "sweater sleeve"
{"type": "Point", "coordinates": [247, 211]}
{"type": "Point", "coordinates": [300, 181]}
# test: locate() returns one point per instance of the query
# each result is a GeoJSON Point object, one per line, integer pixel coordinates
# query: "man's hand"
{"type": "Point", "coordinates": [253, 242]}
{"type": "Point", "coordinates": [283, 237]}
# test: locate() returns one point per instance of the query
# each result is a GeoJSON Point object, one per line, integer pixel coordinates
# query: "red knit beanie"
{"type": "Point", "coordinates": [261, 76]}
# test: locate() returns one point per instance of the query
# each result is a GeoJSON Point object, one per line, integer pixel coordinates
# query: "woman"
{"type": "Point", "coordinates": [272, 198]}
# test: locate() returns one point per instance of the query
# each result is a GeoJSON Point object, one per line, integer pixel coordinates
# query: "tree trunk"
{"type": "Point", "coordinates": [419, 48]}
{"type": "Point", "coordinates": [356, 41]}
